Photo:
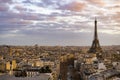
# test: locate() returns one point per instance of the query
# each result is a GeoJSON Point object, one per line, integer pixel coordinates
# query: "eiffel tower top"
{"type": "Point", "coordinates": [95, 34]}
{"type": "Point", "coordinates": [95, 44]}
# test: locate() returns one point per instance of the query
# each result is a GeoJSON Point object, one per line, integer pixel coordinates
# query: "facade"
{"type": "Point", "coordinates": [14, 64]}
{"type": "Point", "coordinates": [2, 66]}
{"type": "Point", "coordinates": [8, 65]}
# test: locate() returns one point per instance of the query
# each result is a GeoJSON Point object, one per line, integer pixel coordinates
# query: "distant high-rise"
{"type": "Point", "coordinates": [95, 44]}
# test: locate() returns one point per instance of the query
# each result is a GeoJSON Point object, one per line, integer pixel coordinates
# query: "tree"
{"type": "Point", "coordinates": [48, 70]}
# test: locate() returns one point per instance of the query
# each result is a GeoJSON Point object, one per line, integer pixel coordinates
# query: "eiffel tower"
{"type": "Point", "coordinates": [95, 44]}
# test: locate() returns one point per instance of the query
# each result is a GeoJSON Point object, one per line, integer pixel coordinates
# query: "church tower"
{"type": "Point", "coordinates": [95, 48]}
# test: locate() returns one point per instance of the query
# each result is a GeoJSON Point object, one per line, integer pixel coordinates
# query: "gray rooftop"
{"type": "Point", "coordinates": [8, 77]}
{"type": "Point", "coordinates": [105, 74]}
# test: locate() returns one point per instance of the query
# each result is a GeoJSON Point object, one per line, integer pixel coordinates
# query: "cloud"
{"type": "Point", "coordinates": [98, 2]}
{"type": "Point", "coordinates": [5, 1]}
{"type": "Point", "coordinates": [108, 31]}
{"type": "Point", "coordinates": [52, 21]}
{"type": "Point", "coordinates": [74, 6]}
{"type": "Point", "coordinates": [116, 16]}
{"type": "Point", "coordinates": [3, 7]}
{"type": "Point", "coordinates": [20, 8]}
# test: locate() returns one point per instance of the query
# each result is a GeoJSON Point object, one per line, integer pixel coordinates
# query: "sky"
{"type": "Point", "coordinates": [59, 22]}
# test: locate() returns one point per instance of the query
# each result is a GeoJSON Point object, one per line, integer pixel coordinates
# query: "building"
{"type": "Point", "coordinates": [109, 74]}
{"type": "Point", "coordinates": [40, 77]}
{"type": "Point", "coordinates": [14, 64]}
{"type": "Point", "coordinates": [95, 44]}
{"type": "Point", "coordinates": [8, 65]}
{"type": "Point", "coordinates": [2, 66]}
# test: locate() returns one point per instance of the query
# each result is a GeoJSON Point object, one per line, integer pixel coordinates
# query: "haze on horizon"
{"type": "Point", "coordinates": [59, 22]}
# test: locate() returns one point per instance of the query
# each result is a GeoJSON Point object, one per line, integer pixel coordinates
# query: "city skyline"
{"type": "Point", "coordinates": [53, 22]}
